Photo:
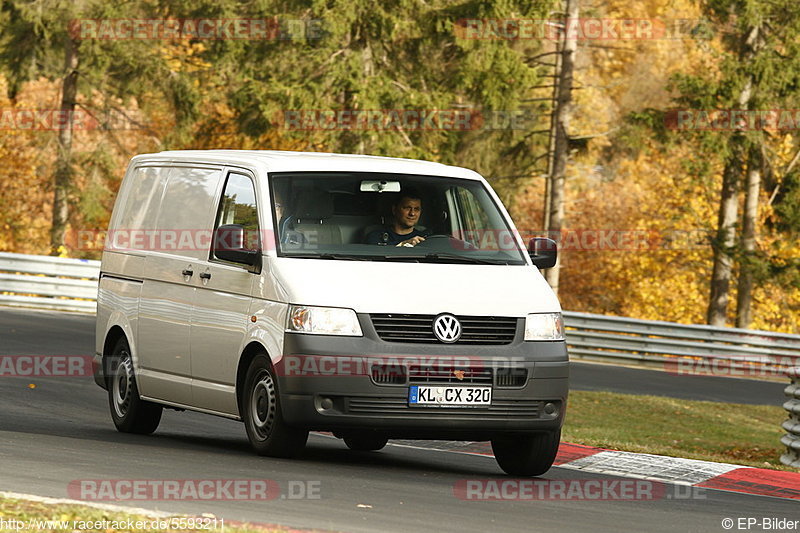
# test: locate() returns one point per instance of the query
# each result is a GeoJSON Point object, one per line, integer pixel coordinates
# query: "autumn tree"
{"type": "Point", "coordinates": [361, 56]}
{"type": "Point", "coordinates": [759, 71]}
{"type": "Point", "coordinates": [40, 39]}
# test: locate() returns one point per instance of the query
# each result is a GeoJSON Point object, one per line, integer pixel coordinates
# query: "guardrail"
{"type": "Point", "coordinates": [71, 284]}
{"type": "Point", "coordinates": [681, 348]}
{"type": "Point", "coordinates": [48, 282]}
{"type": "Point", "coordinates": [792, 425]}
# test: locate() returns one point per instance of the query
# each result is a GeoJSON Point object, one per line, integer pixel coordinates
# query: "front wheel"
{"type": "Point", "coordinates": [527, 455]}
{"type": "Point", "coordinates": [130, 413]}
{"type": "Point", "coordinates": [261, 412]}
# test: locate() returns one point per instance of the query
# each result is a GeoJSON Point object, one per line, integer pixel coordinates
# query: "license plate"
{"type": "Point", "coordinates": [457, 395]}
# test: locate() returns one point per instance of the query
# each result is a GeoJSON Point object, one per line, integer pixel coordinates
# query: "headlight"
{"type": "Point", "coordinates": [544, 327]}
{"type": "Point", "coordinates": [323, 321]}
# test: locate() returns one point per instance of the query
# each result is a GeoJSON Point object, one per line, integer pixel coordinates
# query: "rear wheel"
{"type": "Point", "coordinates": [261, 411]}
{"type": "Point", "coordinates": [527, 455]}
{"type": "Point", "coordinates": [365, 442]}
{"type": "Point", "coordinates": [130, 413]}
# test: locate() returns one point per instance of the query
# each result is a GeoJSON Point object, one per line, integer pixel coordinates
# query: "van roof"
{"type": "Point", "coordinates": [286, 161]}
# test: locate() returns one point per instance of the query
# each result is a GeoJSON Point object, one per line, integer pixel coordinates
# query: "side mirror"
{"type": "Point", "coordinates": [543, 252]}
{"type": "Point", "coordinates": [230, 244]}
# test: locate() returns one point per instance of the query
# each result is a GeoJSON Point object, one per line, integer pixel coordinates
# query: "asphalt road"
{"type": "Point", "coordinates": [605, 377]}
{"type": "Point", "coordinates": [24, 332]}
{"type": "Point", "coordinates": [60, 431]}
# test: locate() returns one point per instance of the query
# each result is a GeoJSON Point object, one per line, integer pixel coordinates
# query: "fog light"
{"type": "Point", "coordinates": [326, 404]}
{"type": "Point", "coordinates": [550, 408]}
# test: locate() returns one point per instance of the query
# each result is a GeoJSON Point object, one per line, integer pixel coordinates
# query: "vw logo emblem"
{"type": "Point", "coordinates": [447, 328]}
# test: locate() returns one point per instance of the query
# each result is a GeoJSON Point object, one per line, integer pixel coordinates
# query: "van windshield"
{"type": "Point", "coordinates": [389, 217]}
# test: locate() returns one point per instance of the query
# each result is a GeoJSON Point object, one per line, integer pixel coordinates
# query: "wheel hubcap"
{"type": "Point", "coordinates": [263, 405]}
{"type": "Point", "coordinates": [121, 388]}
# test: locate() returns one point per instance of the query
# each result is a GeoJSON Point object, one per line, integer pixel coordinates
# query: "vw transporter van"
{"type": "Point", "coordinates": [371, 297]}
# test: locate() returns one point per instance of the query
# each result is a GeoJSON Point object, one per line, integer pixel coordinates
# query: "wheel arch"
{"type": "Point", "coordinates": [248, 354]}
{"type": "Point", "coordinates": [113, 335]}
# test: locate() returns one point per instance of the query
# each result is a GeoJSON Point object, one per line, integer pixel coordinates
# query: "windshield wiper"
{"type": "Point", "coordinates": [437, 256]}
{"type": "Point", "coordinates": [339, 257]}
{"type": "Point", "coordinates": [432, 257]}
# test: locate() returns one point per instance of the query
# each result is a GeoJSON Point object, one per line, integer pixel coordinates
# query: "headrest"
{"type": "Point", "coordinates": [314, 204]}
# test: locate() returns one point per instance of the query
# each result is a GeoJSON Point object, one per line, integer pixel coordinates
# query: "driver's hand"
{"type": "Point", "coordinates": [413, 241]}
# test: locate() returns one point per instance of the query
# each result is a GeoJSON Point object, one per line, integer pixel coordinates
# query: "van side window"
{"type": "Point", "coordinates": [143, 198]}
{"type": "Point", "coordinates": [474, 214]}
{"type": "Point", "coordinates": [238, 206]}
{"type": "Point", "coordinates": [183, 211]}
{"type": "Point", "coordinates": [471, 222]}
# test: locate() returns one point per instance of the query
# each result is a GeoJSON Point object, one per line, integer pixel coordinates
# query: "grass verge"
{"type": "Point", "coordinates": [723, 432]}
{"type": "Point", "coordinates": [19, 515]}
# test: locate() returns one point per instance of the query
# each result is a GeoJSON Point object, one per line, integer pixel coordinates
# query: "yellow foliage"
{"type": "Point", "coordinates": [25, 204]}
{"type": "Point", "coordinates": [648, 195]}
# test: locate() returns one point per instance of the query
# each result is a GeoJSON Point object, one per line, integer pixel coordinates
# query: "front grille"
{"type": "Point", "coordinates": [396, 374]}
{"type": "Point", "coordinates": [511, 377]}
{"type": "Point", "coordinates": [399, 406]}
{"type": "Point", "coordinates": [388, 374]}
{"type": "Point", "coordinates": [419, 374]}
{"type": "Point", "coordinates": [419, 329]}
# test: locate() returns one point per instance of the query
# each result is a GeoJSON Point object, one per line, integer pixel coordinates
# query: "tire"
{"type": "Point", "coordinates": [129, 412]}
{"type": "Point", "coordinates": [527, 455]}
{"type": "Point", "coordinates": [365, 442]}
{"type": "Point", "coordinates": [261, 411]}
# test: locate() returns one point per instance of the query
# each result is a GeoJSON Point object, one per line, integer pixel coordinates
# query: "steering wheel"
{"type": "Point", "coordinates": [438, 237]}
{"type": "Point", "coordinates": [455, 243]}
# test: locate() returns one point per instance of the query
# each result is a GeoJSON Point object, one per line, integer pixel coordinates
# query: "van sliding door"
{"type": "Point", "coordinates": [220, 315]}
{"type": "Point", "coordinates": [177, 245]}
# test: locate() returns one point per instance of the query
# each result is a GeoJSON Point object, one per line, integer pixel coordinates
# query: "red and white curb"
{"type": "Point", "coordinates": [706, 474]}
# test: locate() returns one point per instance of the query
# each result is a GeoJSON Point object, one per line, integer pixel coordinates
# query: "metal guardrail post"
{"type": "Point", "coordinates": [792, 438]}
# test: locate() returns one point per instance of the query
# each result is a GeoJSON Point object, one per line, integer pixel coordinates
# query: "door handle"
{"type": "Point", "coordinates": [188, 272]}
{"type": "Point", "coordinates": [205, 275]}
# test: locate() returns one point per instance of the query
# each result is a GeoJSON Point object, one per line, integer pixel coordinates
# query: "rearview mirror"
{"type": "Point", "coordinates": [543, 252]}
{"type": "Point", "coordinates": [380, 186]}
{"type": "Point", "coordinates": [230, 244]}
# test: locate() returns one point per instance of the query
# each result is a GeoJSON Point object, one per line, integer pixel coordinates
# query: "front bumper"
{"type": "Point", "coordinates": [326, 384]}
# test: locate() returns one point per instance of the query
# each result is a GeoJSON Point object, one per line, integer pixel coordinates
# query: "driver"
{"type": "Point", "coordinates": [401, 231]}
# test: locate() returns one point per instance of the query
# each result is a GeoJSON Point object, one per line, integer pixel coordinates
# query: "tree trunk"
{"type": "Point", "coordinates": [744, 293]}
{"type": "Point", "coordinates": [551, 149]}
{"type": "Point", "coordinates": [728, 216]}
{"type": "Point", "coordinates": [63, 174]}
{"type": "Point", "coordinates": [561, 145]}
{"type": "Point", "coordinates": [726, 236]}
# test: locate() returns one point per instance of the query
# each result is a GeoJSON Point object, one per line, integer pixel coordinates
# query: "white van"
{"type": "Point", "coordinates": [371, 297]}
